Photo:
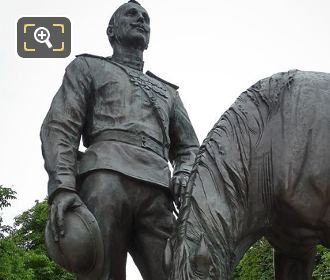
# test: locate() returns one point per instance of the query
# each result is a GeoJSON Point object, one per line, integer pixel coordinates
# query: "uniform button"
{"type": "Point", "coordinates": [143, 144]}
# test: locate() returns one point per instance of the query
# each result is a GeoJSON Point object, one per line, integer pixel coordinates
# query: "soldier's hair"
{"type": "Point", "coordinates": [116, 13]}
{"type": "Point", "coordinates": [133, 1]}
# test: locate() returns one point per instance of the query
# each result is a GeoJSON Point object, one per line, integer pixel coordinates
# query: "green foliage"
{"type": "Point", "coordinates": [12, 266]}
{"type": "Point", "coordinates": [23, 254]}
{"type": "Point", "coordinates": [30, 226]}
{"type": "Point", "coordinates": [6, 194]}
{"type": "Point", "coordinates": [257, 263]}
{"type": "Point", "coordinates": [43, 268]}
{"type": "Point", "coordinates": [322, 268]}
{"type": "Point", "coordinates": [29, 235]}
{"type": "Point", "coordinates": [17, 263]}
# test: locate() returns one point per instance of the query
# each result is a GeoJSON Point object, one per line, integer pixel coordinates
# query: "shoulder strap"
{"type": "Point", "coordinates": [91, 55]}
{"type": "Point", "coordinates": [152, 75]}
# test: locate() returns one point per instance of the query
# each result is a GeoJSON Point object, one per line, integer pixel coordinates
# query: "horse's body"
{"type": "Point", "coordinates": [263, 170]}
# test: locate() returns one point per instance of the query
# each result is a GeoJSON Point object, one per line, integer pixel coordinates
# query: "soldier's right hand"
{"type": "Point", "coordinates": [63, 201]}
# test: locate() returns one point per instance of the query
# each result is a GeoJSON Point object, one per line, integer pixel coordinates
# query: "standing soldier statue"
{"type": "Point", "coordinates": [117, 196]}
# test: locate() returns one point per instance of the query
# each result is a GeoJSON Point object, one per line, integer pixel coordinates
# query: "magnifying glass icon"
{"type": "Point", "coordinates": [41, 35]}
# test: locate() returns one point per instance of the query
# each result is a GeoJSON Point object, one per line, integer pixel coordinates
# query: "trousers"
{"type": "Point", "coordinates": [134, 217]}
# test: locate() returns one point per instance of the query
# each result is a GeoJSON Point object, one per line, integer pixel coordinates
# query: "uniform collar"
{"type": "Point", "coordinates": [135, 64]}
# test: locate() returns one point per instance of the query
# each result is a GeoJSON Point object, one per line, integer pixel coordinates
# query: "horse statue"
{"type": "Point", "coordinates": [263, 170]}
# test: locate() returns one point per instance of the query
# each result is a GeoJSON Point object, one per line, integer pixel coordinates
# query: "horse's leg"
{"type": "Point", "coordinates": [297, 266]}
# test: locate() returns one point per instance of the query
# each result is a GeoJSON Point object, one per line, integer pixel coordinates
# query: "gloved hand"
{"type": "Point", "coordinates": [62, 202]}
{"type": "Point", "coordinates": [178, 187]}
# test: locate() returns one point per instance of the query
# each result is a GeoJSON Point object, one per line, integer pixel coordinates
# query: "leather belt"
{"type": "Point", "coordinates": [136, 139]}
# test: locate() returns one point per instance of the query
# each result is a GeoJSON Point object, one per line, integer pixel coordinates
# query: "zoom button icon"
{"type": "Point", "coordinates": [43, 37]}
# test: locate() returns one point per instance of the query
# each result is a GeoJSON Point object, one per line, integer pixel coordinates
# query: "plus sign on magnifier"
{"type": "Point", "coordinates": [41, 35]}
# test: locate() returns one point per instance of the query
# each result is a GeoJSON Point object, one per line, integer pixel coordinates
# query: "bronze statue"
{"type": "Point", "coordinates": [132, 124]}
{"type": "Point", "coordinates": [263, 170]}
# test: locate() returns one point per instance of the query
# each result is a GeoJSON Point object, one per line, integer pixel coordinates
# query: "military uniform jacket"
{"type": "Point", "coordinates": [130, 122]}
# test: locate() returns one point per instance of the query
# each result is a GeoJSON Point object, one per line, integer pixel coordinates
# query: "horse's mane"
{"type": "Point", "coordinates": [243, 125]}
{"type": "Point", "coordinates": [222, 166]}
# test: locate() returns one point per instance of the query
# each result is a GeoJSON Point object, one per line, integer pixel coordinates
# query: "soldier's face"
{"type": "Point", "coordinates": [132, 26]}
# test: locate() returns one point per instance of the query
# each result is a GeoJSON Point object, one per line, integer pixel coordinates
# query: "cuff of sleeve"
{"type": "Point", "coordinates": [184, 172]}
{"type": "Point", "coordinates": [59, 189]}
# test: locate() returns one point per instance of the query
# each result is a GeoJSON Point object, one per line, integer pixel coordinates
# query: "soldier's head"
{"type": "Point", "coordinates": [129, 26]}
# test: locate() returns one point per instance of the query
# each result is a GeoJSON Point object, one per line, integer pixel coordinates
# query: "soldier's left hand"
{"type": "Point", "coordinates": [178, 187]}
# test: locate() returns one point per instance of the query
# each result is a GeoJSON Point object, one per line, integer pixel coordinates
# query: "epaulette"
{"type": "Point", "coordinates": [91, 55]}
{"type": "Point", "coordinates": [160, 79]}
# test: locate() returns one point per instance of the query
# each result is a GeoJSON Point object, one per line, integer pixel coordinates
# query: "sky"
{"type": "Point", "coordinates": [212, 49]}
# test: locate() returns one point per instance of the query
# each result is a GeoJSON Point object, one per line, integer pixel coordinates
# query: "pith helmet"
{"type": "Point", "coordinates": [80, 250]}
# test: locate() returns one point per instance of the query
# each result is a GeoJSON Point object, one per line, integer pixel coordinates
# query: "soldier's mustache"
{"type": "Point", "coordinates": [141, 25]}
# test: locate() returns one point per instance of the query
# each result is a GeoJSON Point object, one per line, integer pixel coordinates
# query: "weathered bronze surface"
{"type": "Point", "coordinates": [132, 124]}
{"type": "Point", "coordinates": [263, 170]}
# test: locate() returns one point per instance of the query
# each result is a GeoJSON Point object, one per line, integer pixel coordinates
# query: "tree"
{"type": "Point", "coordinates": [11, 257]}
{"type": "Point", "coordinates": [29, 227]}
{"type": "Point", "coordinates": [6, 195]}
{"type": "Point", "coordinates": [257, 263]}
{"type": "Point", "coordinates": [29, 235]}
{"type": "Point", "coordinates": [12, 266]}
{"type": "Point", "coordinates": [23, 253]}
{"type": "Point", "coordinates": [322, 267]}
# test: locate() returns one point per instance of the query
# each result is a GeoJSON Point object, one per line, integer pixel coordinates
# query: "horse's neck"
{"type": "Point", "coordinates": [225, 210]}
{"type": "Point", "coordinates": [222, 210]}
